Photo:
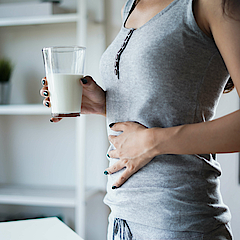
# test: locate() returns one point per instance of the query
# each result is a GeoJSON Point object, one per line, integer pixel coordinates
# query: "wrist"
{"type": "Point", "coordinates": [104, 108]}
{"type": "Point", "coordinates": [101, 107]}
{"type": "Point", "coordinates": [101, 110]}
{"type": "Point", "coordinates": [151, 142]}
{"type": "Point", "coordinates": [164, 140]}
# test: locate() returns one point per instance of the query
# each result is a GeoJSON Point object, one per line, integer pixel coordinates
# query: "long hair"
{"type": "Point", "coordinates": [231, 9]}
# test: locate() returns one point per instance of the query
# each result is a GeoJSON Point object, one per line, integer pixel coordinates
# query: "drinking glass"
{"type": "Point", "coordinates": [64, 66]}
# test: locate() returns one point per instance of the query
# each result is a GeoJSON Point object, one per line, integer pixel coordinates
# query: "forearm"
{"type": "Point", "coordinates": [104, 108]}
{"type": "Point", "coordinates": [218, 136]}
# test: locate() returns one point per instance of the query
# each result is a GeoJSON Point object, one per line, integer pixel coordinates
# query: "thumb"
{"type": "Point", "coordinates": [89, 85]}
{"type": "Point", "coordinates": [88, 82]}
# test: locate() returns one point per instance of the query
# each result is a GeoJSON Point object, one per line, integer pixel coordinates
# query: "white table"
{"type": "Point", "coordinates": [37, 229]}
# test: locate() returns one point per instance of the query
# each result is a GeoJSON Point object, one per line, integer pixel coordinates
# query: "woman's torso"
{"type": "Point", "coordinates": [170, 73]}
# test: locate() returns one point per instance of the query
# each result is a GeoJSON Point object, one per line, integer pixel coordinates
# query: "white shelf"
{"type": "Point", "coordinates": [73, 198]}
{"type": "Point", "coordinates": [26, 109]}
{"type": "Point", "coordinates": [58, 18]}
{"type": "Point", "coordinates": [25, 195]}
{"type": "Point", "coordinates": [41, 196]}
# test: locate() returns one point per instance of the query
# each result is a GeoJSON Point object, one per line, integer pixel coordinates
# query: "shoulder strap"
{"type": "Point", "coordinates": [129, 6]}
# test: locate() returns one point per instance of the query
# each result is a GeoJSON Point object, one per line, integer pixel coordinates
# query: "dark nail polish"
{"type": "Point", "coordinates": [108, 156]}
{"type": "Point", "coordinates": [84, 80]}
{"type": "Point", "coordinates": [114, 187]}
{"type": "Point", "coordinates": [47, 104]}
{"type": "Point", "coordinates": [45, 93]}
{"type": "Point", "coordinates": [43, 82]}
{"type": "Point", "coordinates": [106, 172]}
{"type": "Point", "coordinates": [111, 125]}
{"type": "Point", "coordinates": [51, 120]}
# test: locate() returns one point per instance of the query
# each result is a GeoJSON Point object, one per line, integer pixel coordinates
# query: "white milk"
{"type": "Point", "coordinates": [65, 93]}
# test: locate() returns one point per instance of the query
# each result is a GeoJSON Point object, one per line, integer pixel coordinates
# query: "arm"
{"type": "Point", "coordinates": [138, 145]}
{"type": "Point", "coordinates": [218, 136]}
{"type": "Point", "coordinates": [93, 97]}
{"type": "Point", "coordinates": [221, 135]}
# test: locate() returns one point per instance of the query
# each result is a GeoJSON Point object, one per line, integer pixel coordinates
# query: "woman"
{"type": "Point", "coordinates": [164, 74]}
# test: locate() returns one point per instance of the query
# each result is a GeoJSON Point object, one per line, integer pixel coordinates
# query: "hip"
{"type": "Point", "coordinates": [119, 229]}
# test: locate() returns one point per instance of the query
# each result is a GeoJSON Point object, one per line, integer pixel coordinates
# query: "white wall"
{"type": "Point", "coordinates": [230, 186]}
{"type": "Point", "coordinates": [113, 18]}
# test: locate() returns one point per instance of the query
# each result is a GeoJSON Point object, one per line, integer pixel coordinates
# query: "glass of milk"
{"type": "Point", "coordinates": [64, 66]}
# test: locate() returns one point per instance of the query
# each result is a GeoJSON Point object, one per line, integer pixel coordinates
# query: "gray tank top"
{"type": "Point", "coordinates": [163, 74]}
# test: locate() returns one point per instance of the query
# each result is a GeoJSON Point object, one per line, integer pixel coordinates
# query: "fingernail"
{"type": "Point", "coordinates": [45, 93]}
{"type": "Point", "coordinates": [111, 125]}
{"type": "Point", "coordinates": [114, 187]}
{"type": "Point", "coordinates": [47, 104]}
{"type": "Point", "coordinates": [108, 156]}
{"type": "Point", "coordinates": [51, 120]}
{"type": "Point", "coordinates": [43, 81]}
{"type": "Point", "coordinates": [84, 80]}
{"type": "Point", "coordinates": [106, 172]}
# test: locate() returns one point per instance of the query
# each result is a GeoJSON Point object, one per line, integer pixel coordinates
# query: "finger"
{"type": "Point", "coordinates": [113, 154]}
{"type": "Point", "coordinates": [112, 138]}
{"type": "Point", "coordinates": [123, 178]}
{"type": "Point", "coordinates": [115, 167]}
{"type": "Point", "coordinates": [46, 102]}
{"type": "Point", "coordinates": [44, 92]}
{"type": "Point", "coordinates": [120, 126]}
{"type": "Point", "coordinates": [44, 81]}
{"type": "Point", "coordinates": [87, 81]}
{"type": "Point", "coordinates": [55, 120]}
{"type": "Point", "coordinates": [89, 84]}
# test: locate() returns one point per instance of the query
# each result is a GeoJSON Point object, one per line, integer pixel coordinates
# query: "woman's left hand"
{"type": "Point", "coordinates": [134, 148]}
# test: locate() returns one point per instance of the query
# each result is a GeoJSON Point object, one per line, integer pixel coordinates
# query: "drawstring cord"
{"type": "Point", "coordinates": [121, 229]}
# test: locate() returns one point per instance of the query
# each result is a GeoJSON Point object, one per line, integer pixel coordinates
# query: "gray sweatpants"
{"type": "Point", "coordinates": [120, 229]}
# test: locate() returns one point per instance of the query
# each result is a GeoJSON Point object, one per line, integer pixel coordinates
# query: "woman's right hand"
{"type": "Point", "coordinates": [93, 97]}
